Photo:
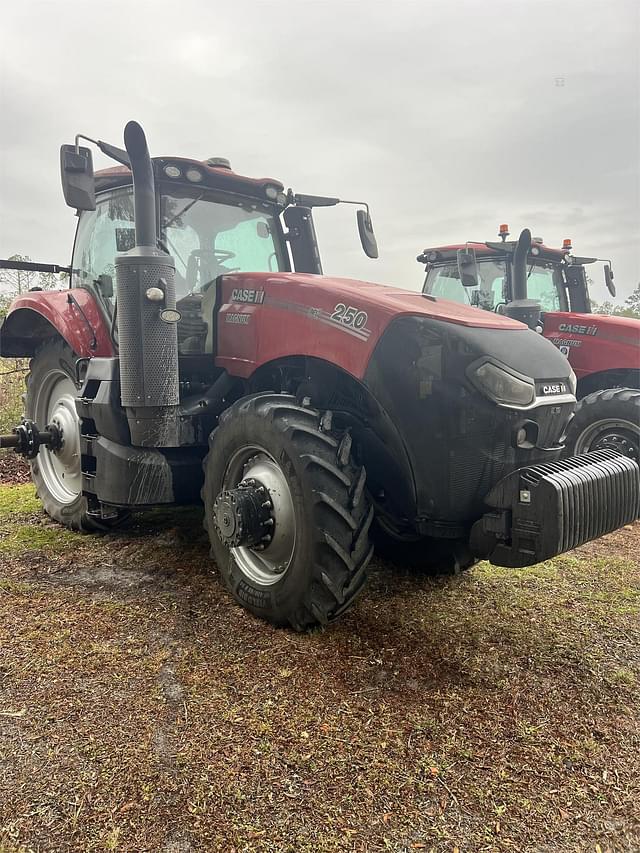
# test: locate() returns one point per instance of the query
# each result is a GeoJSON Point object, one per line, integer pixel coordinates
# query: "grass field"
{"type": "Point", "coordinates": [142, 710]}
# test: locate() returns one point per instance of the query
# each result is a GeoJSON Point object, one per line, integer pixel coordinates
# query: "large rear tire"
{"type": "Point", "coordinates": [607, 419]}
{"type": "Point", "coordinates": [50, 397]}
{"type": "Point", "coordinates": [313, 564]}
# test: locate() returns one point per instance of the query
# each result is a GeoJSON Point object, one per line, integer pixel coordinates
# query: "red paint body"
{"type": "Point", "coordinates": [597, 343]}
{"type": "Point", "coordinates": [286, 323]}
{"type": "Point", "coordinates": [294, 319]}
{"type": "Point", "coordinates": [55, 307]}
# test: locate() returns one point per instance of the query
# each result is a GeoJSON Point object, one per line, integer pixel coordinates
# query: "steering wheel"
{"type": "Point", "coordinates": [215, 258]}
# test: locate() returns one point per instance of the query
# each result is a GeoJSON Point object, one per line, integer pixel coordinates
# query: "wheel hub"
{"type": "Point", "coordinates": [243, 515]}
{"type": "Point", "coordinates": [254, 515]}
{"type": "Point", "coordinates": [618, 442]}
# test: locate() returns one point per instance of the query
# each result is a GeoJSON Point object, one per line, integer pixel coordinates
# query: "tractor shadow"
{"type": "Point", "coordinates": [409, 634]}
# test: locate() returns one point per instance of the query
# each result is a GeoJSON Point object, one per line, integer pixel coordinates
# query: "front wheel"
{"type": "Point", "coordinates": [57, 475]}
{"type": "Point", "coordinates": [606, 420]}
{"type": "Point", "coordinates": [286, 511]}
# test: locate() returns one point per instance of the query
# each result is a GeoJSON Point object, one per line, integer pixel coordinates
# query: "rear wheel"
{"type": "Point", "coordinates": [606, 420]}
{"type": "Point", "coordinates": [286, 511]}
{"type": "Point", "coordinates": [57, 475]}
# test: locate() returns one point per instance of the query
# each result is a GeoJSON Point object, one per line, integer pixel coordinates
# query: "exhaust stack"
{"type": "Point", "coordinates": [521, 308]}
{"type": "Point", "coordinates": [148, 344]}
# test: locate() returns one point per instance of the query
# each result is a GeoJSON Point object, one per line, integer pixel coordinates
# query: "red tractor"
{"type": "Point", "coordinates": [299, 407]}
{"type": "Point", "coordinates": [553, 296]}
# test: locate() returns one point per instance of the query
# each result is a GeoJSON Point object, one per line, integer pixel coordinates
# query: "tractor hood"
{"type": "Point", "coordinates": [594, 343]}
{"type": "Point", "coordinates": [382, 300]}
{"type": "Point", "coordinates": [264, 317]}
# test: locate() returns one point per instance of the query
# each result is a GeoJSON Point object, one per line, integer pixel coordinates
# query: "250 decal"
{"type": "Point", "coordinates": [349, 316]}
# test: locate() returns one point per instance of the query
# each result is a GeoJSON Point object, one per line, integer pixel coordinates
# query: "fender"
{"type": "Point", "coordinates": [594, 343]}
{"type": "Point", "coordinates": [37, 315]}
{"type": "Point", "coordinates": [267, 316]}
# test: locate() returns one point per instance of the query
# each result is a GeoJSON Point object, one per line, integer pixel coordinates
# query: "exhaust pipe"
{"type": "Point", "coordinates": [521, 308]}
{"type": "Point", "coordinates": [148, 345]}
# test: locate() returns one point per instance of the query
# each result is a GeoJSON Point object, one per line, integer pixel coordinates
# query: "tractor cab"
{"type": "Point", "coordinates": [211, 220]}
{"type": "Point", "coordinates": [482, 275]}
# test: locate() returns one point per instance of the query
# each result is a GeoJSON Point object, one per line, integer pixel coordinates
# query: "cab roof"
{"type": "Point", "coordinates": [212, 177]}
{"type": "Point", "coordinates": [437, 254]}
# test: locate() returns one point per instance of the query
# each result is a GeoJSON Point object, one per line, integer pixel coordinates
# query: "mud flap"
{"type": "Point", "coordinates": [548, 509]}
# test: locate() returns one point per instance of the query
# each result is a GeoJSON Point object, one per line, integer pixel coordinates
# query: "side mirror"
{"type": "Point", "coordinates": [608, 279]}
{"type": "Point", "coordinates": [367, 237]}
{"type": "Point", "coordinates": [76, 171]}
{"type": "Point", "coordinates": [467, 267]}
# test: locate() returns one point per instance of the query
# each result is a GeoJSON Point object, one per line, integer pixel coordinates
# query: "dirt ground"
{"type": "Point", "coordinates": [142, 710]}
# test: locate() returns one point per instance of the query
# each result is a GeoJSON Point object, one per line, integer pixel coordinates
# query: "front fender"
{"type": "Point", "coordinates": [39, 315]}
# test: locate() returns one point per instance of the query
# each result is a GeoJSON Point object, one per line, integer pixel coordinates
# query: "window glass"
{"type": "Point", "coordinates": [445, 282]}
{"type": "Point", "coordinates": [541, 286]}
{"type": "Point", "coordinates": [102, 233]}
{"type": "Point", "coordinates": [208, 238]}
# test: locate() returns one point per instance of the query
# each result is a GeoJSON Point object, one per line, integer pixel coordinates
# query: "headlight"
{"type": "Point", "coordinates": [501, 385]}
{"type": "Point", "coordinates": [572, 382]}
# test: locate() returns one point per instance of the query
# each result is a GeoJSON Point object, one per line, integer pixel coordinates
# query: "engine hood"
{"type": "Point", "coordinates": [264, 317]}
{"type": "Point", "coordinates": [595, 343]}
{"type": "Point", "coordinates": [384, 299]}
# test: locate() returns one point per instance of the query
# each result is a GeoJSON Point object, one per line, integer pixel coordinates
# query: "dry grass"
{"type": "Point", "coordinates": [12, 373]}
{"type": "Point", "coordinates": [141, 710]}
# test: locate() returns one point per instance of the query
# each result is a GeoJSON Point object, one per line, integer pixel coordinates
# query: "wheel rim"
{"type": "Point", "coordinates": [60, 469]}
{"type": "Point", "coordinates": [609, 434]}
{"type": "Point", "coordinates": [269, 565]}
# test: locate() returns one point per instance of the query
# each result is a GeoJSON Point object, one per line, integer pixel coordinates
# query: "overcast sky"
{"type": "Point", "coordinates": [447, 117]}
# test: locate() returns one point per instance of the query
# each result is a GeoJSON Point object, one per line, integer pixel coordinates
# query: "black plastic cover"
{"type": "Point", "coordinates": [548, 509]}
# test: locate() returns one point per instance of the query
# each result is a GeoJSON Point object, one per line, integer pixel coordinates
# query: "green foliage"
{"type": "Point", "coordinates": [630, 308]}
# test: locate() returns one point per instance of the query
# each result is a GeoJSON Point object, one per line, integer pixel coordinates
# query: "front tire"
{"type": "Point", "coordinates": [50, 397]}
{"type": "Point", "coordinates": [606, 420]}
{"type": "Point", "coordinates": [313, 566]}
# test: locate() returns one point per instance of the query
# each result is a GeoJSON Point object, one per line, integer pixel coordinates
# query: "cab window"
{"type": "Point", "coordinates": [541, 285]}
{"type": "Point", "coordinates": [209, 237]}
{"type": "Point", "coordinates": [445, 282]}
{"type": "Point", "coordinates": [102, 233]}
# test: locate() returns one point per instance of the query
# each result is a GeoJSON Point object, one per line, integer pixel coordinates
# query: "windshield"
{"type": "Point", "coordinates": [445, 282]}
{"type": "Point", "coordinates": [208, 237]}
{"type": "Point", "coordinates": [541, 285]}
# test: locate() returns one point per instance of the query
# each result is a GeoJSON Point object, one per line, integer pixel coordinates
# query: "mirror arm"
{"type": "Point", "coordinates": [115, 153]}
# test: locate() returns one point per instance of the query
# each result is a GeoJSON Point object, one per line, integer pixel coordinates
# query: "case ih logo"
{"type": "Point", "coordinates": [556, 388]}
{"type": "Point", "coordinates": [578, 330]}
{"type": "Point", "coordinates": [242, 295]}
